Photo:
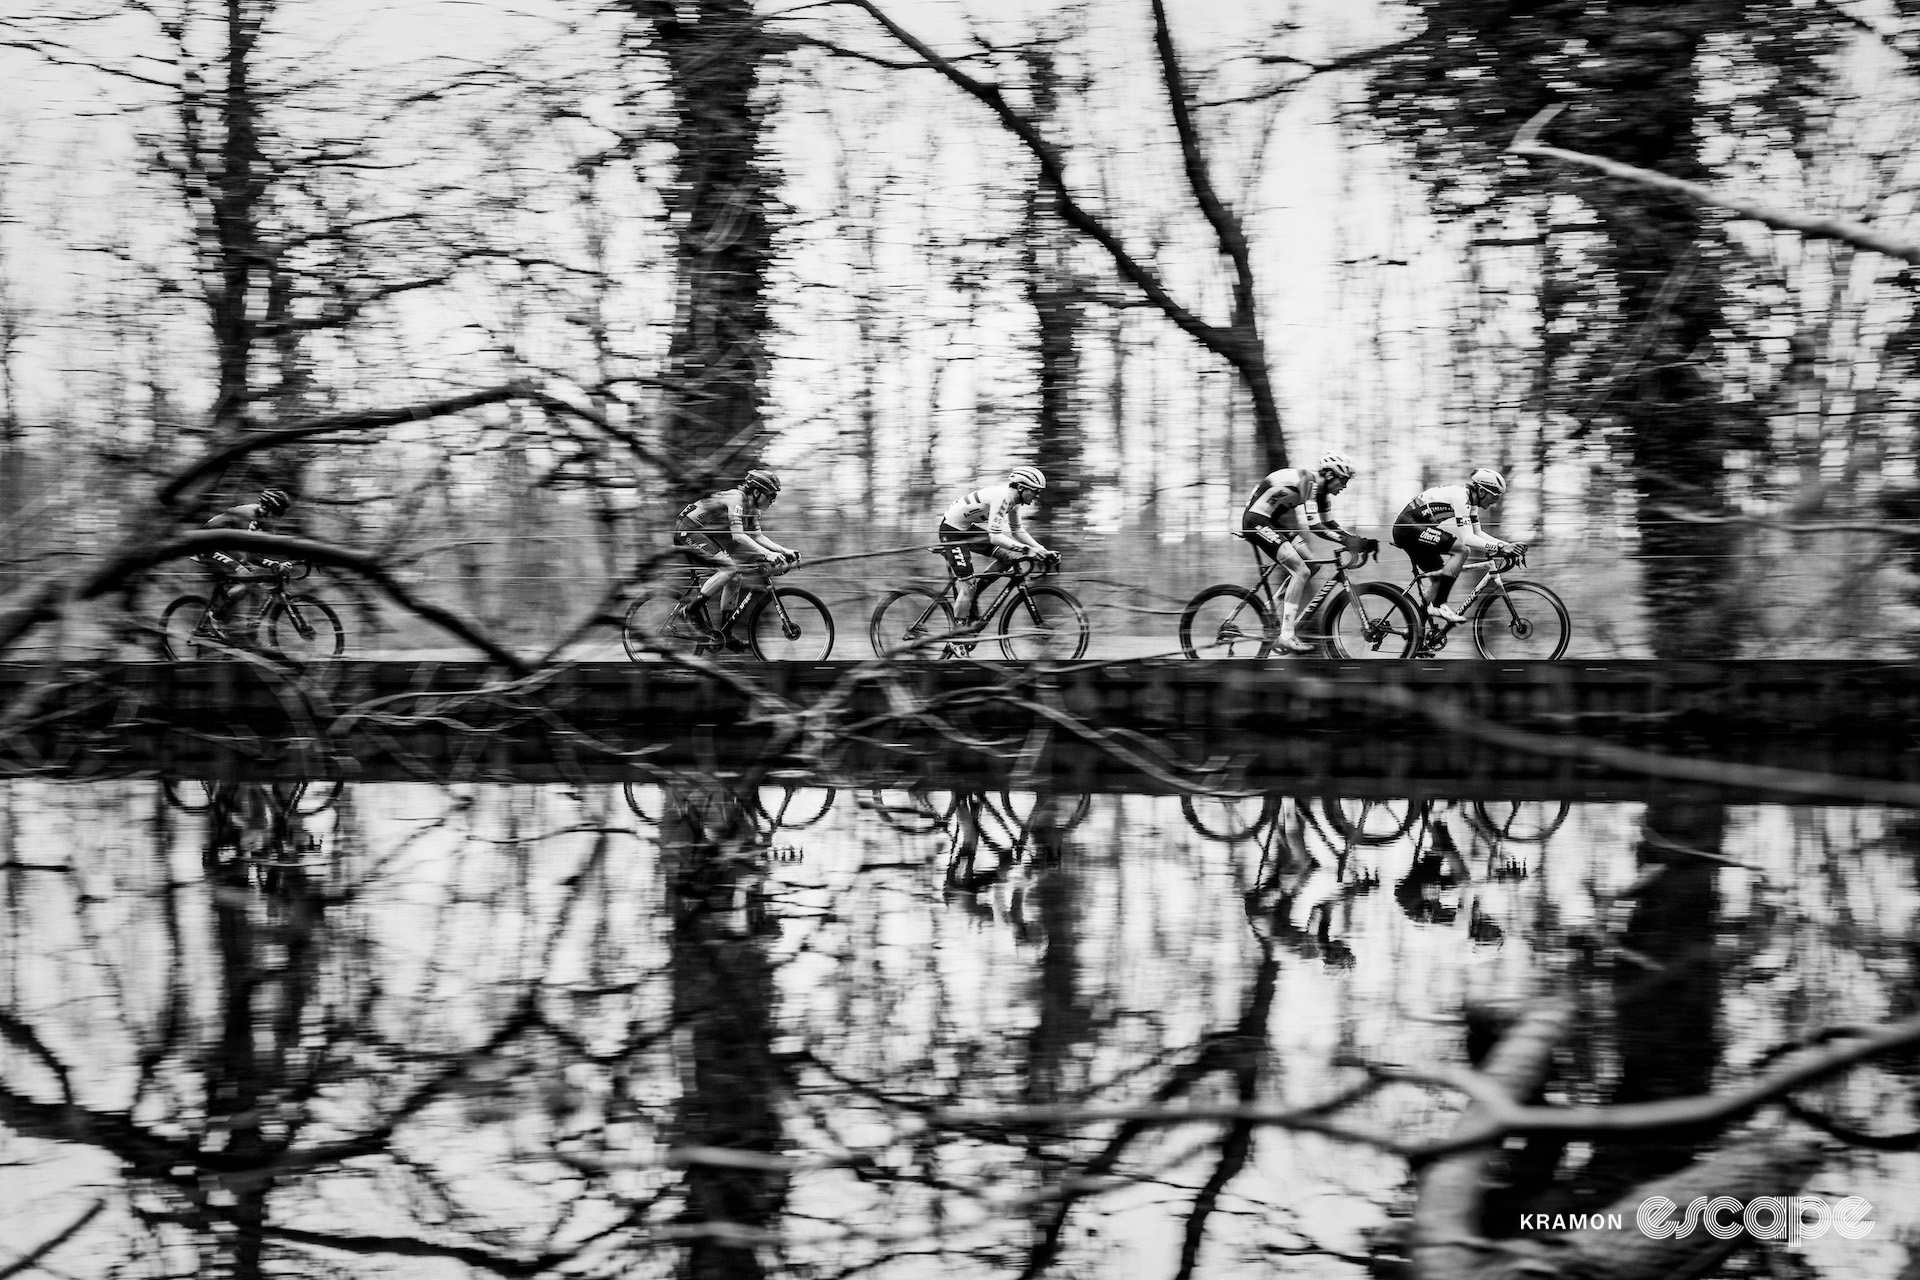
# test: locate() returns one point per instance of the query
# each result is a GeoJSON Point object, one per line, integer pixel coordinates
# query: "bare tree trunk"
{"type": "Point", "coordinates": [716, 359]}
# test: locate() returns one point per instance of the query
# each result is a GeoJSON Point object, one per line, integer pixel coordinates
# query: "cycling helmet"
{"type": "Point", "coordinates": [1485, 486]}
{"type": "Point", "coordinates": [765, 483]}
{"type": "Point", "coordinates": [1028, 478]}
{"type": "Point", "coordinates": [1337, 464]}
{"type": "Point", "coordinates": [274, 501]}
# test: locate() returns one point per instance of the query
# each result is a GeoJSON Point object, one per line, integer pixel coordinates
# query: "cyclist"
{"type": "Point", "coordinates": [233, 588]}
{"type": "Point", "coordinates": [1439, 527]}
{"type": "Point", "coordinates": [719, 532]}
{"type": "Point", "coordinates": [1297, 496]}
{"type": "Point", "coordinates": [987, 520]}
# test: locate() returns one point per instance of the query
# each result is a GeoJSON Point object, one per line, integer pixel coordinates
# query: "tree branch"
{"type": "Point", "coordinates": [335, 424]}
{"type": "Point", "coordinates": [1846, 231]}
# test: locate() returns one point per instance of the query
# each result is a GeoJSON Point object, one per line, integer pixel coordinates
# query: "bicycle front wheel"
{"type": "Point", "coordinates": [790, 625]}
{"type": "Point", "coordinates": [906, 620]}
{"type": "Point", "coordinates": [182, 629]}
{"type": "Point", "coordinates": [1520, 620]}
{"type": "Point", "coordinates": [1371, 620]}
{"type": "Point", "coordinates": [306, 629]}
{"type": "Point", "coordinates": [1226, 622]}
{"type": "Point", "coordinates": [1043, 624]}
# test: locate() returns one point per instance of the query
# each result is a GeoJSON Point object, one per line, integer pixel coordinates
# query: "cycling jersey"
{"type": "Point", "coordinates": [994, 506]}
{"type": "Point", "coordinates": [724, 512]}
{"type": "Point", "coordinates": [1284, 492]}
{"type": "Point", "coordinates": [245, 518]}
{"type": "Point", "coordinates": [1436, 523]}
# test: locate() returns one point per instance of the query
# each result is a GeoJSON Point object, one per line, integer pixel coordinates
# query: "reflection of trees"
{"type": "Point", "coordinates": [524, 1030]}
{"type": "Point", "coordinates": [723, 1000]}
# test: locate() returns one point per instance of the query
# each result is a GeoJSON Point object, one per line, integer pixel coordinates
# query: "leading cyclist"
{"type": "Point", "coordinates": [720, 531]}
{"type": "Point", "coordinates": [1298, 496]}
{"type": "Point", "coordinates": [1439, 527]}
{"type": "Point", "coordinates": [987, 520]}
{"type": "Point", "coordinates": [232, 596]}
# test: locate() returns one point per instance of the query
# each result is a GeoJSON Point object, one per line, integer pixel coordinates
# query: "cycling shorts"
{"type": "Point", "coordinates": [1427, 545]}
{"type": "Point", "coordinates": [1264, 534]}
{"type": "Point", "coordinates": [958, 545]}
{"type": "Point", "coordinates": [702, 550]}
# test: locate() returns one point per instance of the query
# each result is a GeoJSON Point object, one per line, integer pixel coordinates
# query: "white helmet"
{"type": "Point", "coordinates": [1028, 478]}
{"type": "Point", "coordinates": [1337, 464]}
{"type": "Point", "coordinates": [1486, 485]}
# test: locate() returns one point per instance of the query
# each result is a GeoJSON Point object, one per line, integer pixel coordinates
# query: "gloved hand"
{"type": "Point", "coordinates": [1050, 557]}
{"type": "Point", "coordinates": [793, 557]}
{"type": "Point", "coordinates": [1363, 546]}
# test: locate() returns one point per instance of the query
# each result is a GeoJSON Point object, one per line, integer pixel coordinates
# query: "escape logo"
{"type": "Point", "coordinates": [1788, 1218]}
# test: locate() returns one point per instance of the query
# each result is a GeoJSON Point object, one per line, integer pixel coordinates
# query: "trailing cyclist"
{"type": "Point", "coordinates": [719, 533]}
{"type": "Point", "coordinates": [234, 588]}
{"type": "Point", "coordinates": [1439, 527]}
{"type": "Point", "coordinates": [1298, 496]}
{"type": "Point", "coordinates": [987, 521]}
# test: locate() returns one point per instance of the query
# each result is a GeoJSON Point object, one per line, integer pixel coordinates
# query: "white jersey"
{"type": "Point", "coordinates": [993, 506]}
{"type": "Point", "coordinates": [1447, 506]}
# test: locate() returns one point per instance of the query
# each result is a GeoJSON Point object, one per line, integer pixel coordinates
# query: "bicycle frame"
{"type": "Point", "coordinates": [1434, 631]}
{"type": "Point", "coordinates": [1274, 598]}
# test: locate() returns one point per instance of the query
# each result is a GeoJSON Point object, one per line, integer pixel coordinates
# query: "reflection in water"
{"type": "Point", "coordinates": [706, 1029]}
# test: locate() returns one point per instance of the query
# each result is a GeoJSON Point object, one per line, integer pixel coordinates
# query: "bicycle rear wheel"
{"type": "Point", "coordinates": [900, 627]}
{"type": "Point", "coordinates": [1226, 621]}
{"type": "Point", "coordinates": [1370, 822]}
{"type": "Point", "coordinates": [1371, 620]}
{"type": "Point", "coordinates": [656, 617]}
{"type": "Point", "coordinates": [1520, 620]}
{"type": "Point", "coordinates": [306, 629]}
{"type": "Point", "coordinates": [1042, 624]}
{"type": "Point", "coordinates": [182, 629]}
{"type": "Point", "coordinates": [790, 625]}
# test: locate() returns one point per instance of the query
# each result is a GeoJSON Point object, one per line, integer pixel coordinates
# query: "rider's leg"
{"type": "Point", "coordinates": [1443, 587]}
{"type": "Point", "coordinates": [1299, 579]}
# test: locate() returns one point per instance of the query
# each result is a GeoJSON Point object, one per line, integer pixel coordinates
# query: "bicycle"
{"type": "Point", "coordinates": [1036, 623]}
{"type": "Point", "coordinates": [781, 624]}
{"type": "Point", "coordinates": [1344, 619]}
{"type": "Point", "coordinates": [302, 627]}
{"type": "Point", "coordinates": [1512, 621]}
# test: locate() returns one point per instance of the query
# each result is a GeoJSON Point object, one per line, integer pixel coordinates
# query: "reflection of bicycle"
{"type": "Point", "coordinates": [1379, 822]}
{"type": "Point", "coordinates": [776, 806]}
{"type": "Point", "coordinates": [1507, 620]}
{"type": "Point", "coordinates": [1344, 619]}
{"type": "Point", "coordinates": [779, 624]}
{"type": "Point", "coordinates": [303, 798]}
{"type": "Point", "coordinates": [300, 627]}
{"type": "Point", "coordinates": [1036, 622]}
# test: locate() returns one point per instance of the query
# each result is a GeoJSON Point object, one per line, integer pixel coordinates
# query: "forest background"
{"type": "Point", "coordinates": [503, 289]}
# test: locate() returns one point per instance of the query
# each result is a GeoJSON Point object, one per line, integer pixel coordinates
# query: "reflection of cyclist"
{"type": "Point", "coordinates": [233, 590]}
{"type": "Point", "coordinates": [1286, 870]}
{"type": "Point", "coordinates": [987, 521]}
{"type": "Point", "coordinates": [717, 533]}
{"type": "Point", "coordinates": [1436, 870]}
{"type": "Point", "coordinates": [1439, 527]}
{"type": "Point", "coordinates": [1293, 497]}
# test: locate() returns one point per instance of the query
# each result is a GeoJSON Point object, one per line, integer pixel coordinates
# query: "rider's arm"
{"type": "Point", "coordinates": [1003, 524]}
{"type": "Point", "coordinates": [1317, 519]}
{"type": "Point", "coordinates": [1473, 537]}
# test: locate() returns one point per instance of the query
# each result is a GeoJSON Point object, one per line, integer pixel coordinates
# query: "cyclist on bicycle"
{"type": "Point", "coordinates": [987, 520]}
{"type": "Point", "coordinates": [1439, 527]}
{"type": "Point", "coordinates": [234, 587]}
{"type": "Point", "coordinates": [721, 531]}
{"type": "Point", "coordinates": [1297, 496]}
